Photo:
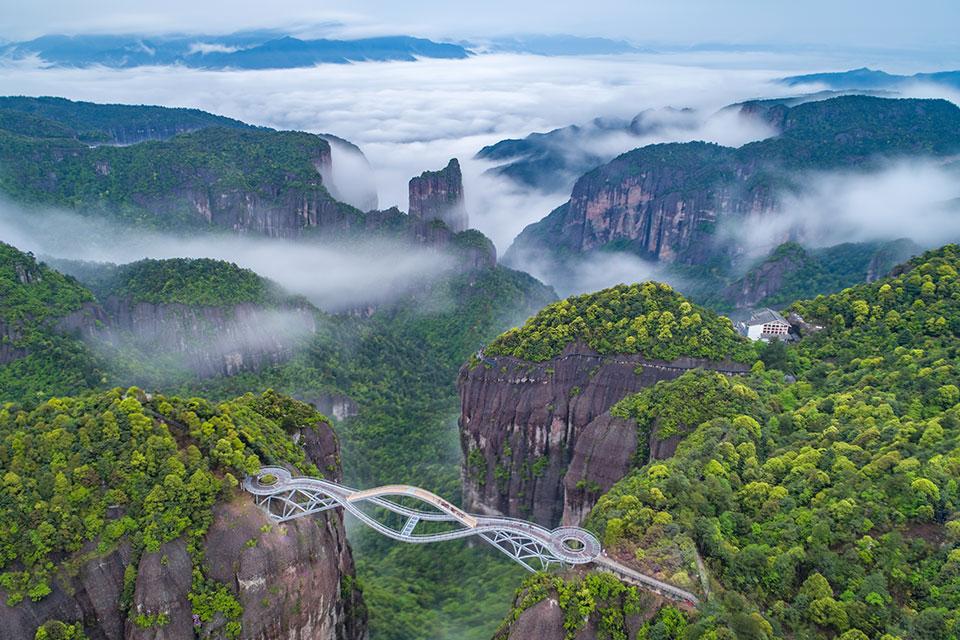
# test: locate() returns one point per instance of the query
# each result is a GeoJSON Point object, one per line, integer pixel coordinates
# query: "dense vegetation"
{"type": "Point", "coordinates": [821, 134]}
{"type": "Point", "coordinates": [802, 273]}
{"type": "Point", "coordinates": [189, 281]}
{"type": "Point", "coordinates": [614, 609]}
{"type": "Point", "coordinates": [164, 182]}
{"type": "Point", "coordinates": [400, 367]}
{"type": "Point", "coordinates": [116, 123]}
{"type": "Point", "coordinates": [650, 319]}
{"type": "Point", "coordinates": [826, 506]}
{"type": "Point", "coordinates": [40, 360]}
{"type": "Point", "coordinates": [721, 186]}
{"type": "Point", "coordinates": [123, 467]}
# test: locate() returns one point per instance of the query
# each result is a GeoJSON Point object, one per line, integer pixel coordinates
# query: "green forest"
{"type": "Point", "coordinates": [399, 366]}
{"type": "Point", "coordinates": [650, 319]}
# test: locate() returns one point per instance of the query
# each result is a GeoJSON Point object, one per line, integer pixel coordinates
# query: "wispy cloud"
{"type": "Point", "coordinates": [916, 200]}
{"type": "Point", "coordinates": [335, 277]}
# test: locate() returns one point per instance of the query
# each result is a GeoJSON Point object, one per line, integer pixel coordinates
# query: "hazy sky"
{"type": "Point", "coordinates": [921, 24]}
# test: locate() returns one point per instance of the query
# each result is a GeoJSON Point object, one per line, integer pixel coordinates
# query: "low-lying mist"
{"type": "Point", "coordinates": [906, 199]}
{"type": "Point", "coordinates": [157, 346]}
{"type": "Point", "coordinates": [334, 276]}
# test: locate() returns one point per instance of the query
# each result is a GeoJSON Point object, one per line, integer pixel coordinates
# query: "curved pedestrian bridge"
{"type": "Point", "coordinates": [432, 519]}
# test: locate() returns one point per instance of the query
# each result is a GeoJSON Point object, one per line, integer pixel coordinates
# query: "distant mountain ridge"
{"type": "Point", "coordinates": [250, 50]}
{"type": "Point", "coordinates": [552, 161]}
{"type": "Point", "coordinates": [866, 78]}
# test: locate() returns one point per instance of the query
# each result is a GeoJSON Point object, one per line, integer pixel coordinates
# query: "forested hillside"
{"type": "Point", "coordinates": [36, 305]}
{"type": "Point", "coordinates": [650, 319]}
{"type": "Point", "coordinates": [122, 474]}
{"type": "Point", "coordinates": [109, 123]}
{"type": "Point", "coordinates": [822, 490]}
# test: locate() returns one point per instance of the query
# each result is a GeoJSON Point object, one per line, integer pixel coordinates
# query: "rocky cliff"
{"type": "Point", "coordinates": [293, 581]}
{"type": "Point", "coordinates": [661, 202]}
{"type": "Point", "coordinates": [535, 435]}
{"type": "Point", "coordinates": [438, 195]}
{"type": "Point", "coordinates": [9, 349]}
{"type": "Point", "coordinates": [665, 202]}
{"type": "Point", "coordinates": [206, 340]}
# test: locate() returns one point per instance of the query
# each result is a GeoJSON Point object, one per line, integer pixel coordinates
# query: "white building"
{"type": "Point", "coordinates": [766, 325]}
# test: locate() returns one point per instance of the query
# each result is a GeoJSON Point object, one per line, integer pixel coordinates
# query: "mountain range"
{"type": "Point", "coordinates": [675, 204]}
{"type": "Point", "coordinates": [247, 50]}
{"type": "Point", "coordinates": [865, 78]}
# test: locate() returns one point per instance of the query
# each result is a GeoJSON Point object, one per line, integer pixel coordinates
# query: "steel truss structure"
{"type": "Point", "coordinates": [536, 548]}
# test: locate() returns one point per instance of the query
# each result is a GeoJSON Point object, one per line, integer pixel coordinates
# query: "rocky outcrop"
{"type": "Point", "coordinates": [161, 609]}
{"type": "Point", "coordinates": [768, 278]}
{"type": "Point", "coordinates": [523, 424]}
{"type": "Point", "coordinates": [438, 195]}
{"type": "Point", "coordinates": [92, 596]}
{"type": "Point", "coordinates": [294, 581]}
{"type": "Point", "coordinates": [208, 341]}
{"type": "Point", "coordinates": [333, 405]}
{"type": "Point", "coordinates": [603, 454]}
{"type": "Point", "coordinates": [9, 351]}
{"type": "Point", "coordinates": [644, 203]}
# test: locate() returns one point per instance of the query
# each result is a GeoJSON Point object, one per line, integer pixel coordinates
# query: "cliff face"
{"type": "Point", "coordinates": [661, 202]}
{"type": "Point", "coordinates": [294, 581]}
{"type": "Point", "coordinates": [8, 349]}
{"type": "Point", "coordinates": [209, 341]}
{"type": "Point", "coordinates": [768, 278]}
{"type": "Point", "coordinates": [438, 195]}
{"type": "Point", "coordinates": [549, 618]}
{"type": "Point", "coordinates": [534, 436]}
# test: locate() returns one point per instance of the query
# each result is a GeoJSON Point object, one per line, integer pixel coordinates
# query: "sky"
{"type": "Point", "coordinates": [918, 24]}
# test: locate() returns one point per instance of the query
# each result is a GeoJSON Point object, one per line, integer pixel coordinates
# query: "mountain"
{"type": "Point", "coordinates": [665, 202]}
{"type": "Point", "coordinates": [532, 398]}
{"type": "Point", "coordinates": [137, 529]}
{"type": "Point", "coordinates": [40, 311]}
{"type": "Point", "coordinates": [241, 179]}
{"type": "Point", "coordinates": [552, 161]}
{"type": "Point", "coordinates": [815, 496]}
{"type": "Point", "coordinates": [151, 322]}
{"type": "Point", "coordinates": [121, 124]}
{"type": "Point", "coordinates": [389, 375]}
{"type": "Point", "coordinates": [250, 50]}
{"type": "Point", "coordinates": [865, 78]}
{"type": "Point", "coordinates": [186, 319]}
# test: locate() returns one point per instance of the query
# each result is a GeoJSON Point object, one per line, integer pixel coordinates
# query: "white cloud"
{"type": "Point", "coordinates": [916, 200]}
{"type": "Point", "coordinates": [204, 48]}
